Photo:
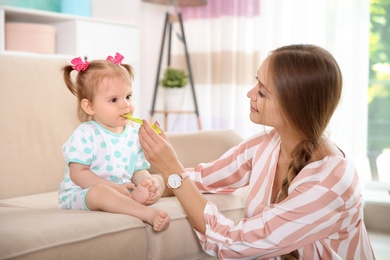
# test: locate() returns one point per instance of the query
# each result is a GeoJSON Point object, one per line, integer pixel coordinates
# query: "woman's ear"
{"type": "Point", "coordinates": [87, 107]}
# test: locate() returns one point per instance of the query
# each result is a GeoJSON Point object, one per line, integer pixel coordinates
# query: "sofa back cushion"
{"type": "Point", "coordinates": [38, 113]}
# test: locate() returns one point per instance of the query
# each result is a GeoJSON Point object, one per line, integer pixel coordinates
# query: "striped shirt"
{"type": "Point", "coordinates": [322, 216]}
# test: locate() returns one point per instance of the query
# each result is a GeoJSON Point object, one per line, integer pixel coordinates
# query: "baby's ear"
{"type": "Point", "coordinates": [87, 107]}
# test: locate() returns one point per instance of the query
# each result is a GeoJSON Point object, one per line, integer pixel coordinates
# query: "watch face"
{"type": "Point", "coordinates": [174, 181]}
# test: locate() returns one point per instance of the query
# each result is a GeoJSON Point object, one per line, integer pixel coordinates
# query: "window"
{"type": "Point", "coordinates": [378, 140]}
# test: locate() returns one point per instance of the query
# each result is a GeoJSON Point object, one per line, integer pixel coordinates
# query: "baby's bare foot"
{"type": "Point", "coordinates": [161, 221]}
{"type": "Point", "coordinates": [141, 192]}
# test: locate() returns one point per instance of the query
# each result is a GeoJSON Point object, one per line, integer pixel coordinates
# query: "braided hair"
{"type": "Point", "coordinates": [308, 85]}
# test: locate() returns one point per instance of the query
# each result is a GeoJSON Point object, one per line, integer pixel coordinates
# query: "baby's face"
{"type": "Point", "coordinates": [113, 99]}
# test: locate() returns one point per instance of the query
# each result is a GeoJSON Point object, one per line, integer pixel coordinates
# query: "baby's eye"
{"type": "Point", "coordinates": [113, 100]}
{"type": "Point", "coordinates": [128, 97]}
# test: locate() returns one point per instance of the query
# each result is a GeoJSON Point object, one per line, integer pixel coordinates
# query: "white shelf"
{"type": "Point", "coordinates": [77, 35]}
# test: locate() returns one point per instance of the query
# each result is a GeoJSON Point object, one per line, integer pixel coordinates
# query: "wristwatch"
{"type": "Point", "coordinates": [175, 180]}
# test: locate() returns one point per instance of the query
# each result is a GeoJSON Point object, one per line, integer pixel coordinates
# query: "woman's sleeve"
{"type": "Point", "coordinates": [313, 211]}
{"type": "Point", "coordinates": [230, 172]}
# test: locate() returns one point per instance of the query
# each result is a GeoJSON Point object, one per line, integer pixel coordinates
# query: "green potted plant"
{"type": "Point", "coordinates": [174, 78]}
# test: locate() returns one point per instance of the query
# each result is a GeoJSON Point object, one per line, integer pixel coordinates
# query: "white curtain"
{"type": "Point", "coordinates": [228, 40]}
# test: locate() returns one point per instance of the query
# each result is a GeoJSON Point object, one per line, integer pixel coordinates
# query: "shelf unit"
{"type": "Point", "coordinates": [78, 35]}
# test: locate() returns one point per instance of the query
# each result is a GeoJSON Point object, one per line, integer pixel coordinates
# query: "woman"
{"type": "Point", "coordinates": [304, 200]}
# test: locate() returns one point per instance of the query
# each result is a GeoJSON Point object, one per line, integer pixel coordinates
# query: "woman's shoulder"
{"type": "Point", "coordinates": [330, 171]}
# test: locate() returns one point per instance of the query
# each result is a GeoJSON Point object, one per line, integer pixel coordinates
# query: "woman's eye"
{"type": "Point", "coordinates": [261, 90]}
{"type": "Point", "coordinates": [261, 94]}
{"type": "Point", "coordinates": [261, 86]}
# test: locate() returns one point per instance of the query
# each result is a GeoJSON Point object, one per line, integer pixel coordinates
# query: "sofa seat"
{"type": "Point", "coordinates": [55, 234]}
{"type": "Point", "coordinates": [36, 229]}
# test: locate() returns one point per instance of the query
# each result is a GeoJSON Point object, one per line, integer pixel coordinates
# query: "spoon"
{"type": "Point", "coordinates": [139, 121]}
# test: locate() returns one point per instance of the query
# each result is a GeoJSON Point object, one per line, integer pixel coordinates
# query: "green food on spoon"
{"type": "Point", "coordinates": [139, 121]}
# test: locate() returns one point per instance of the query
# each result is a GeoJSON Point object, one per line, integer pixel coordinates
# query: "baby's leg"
{"type": "Point", "coordinates": [141, 192]}
{"type": "Point", "coordinates": [105, 198]}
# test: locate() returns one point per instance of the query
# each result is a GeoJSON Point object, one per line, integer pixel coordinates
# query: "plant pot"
{"type": "Point", "coordinates": [174, 98]}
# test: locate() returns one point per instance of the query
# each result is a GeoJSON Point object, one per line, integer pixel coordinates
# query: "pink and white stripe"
{"type": "Point", "coordinates": [322, 217]}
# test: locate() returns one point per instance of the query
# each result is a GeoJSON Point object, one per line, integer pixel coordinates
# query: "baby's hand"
{"type": "Point", "coordinates": [125, 188]}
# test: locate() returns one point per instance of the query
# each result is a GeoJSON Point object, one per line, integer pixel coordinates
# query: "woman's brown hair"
{"type": "Point", "coordinates": [308, 85]}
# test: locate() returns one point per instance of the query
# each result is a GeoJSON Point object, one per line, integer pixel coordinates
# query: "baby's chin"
{"type": "Point", "coordinates": [118, 129]}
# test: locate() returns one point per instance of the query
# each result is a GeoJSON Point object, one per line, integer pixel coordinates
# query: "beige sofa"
{"type": "Point", "coordinates": [37, 116]}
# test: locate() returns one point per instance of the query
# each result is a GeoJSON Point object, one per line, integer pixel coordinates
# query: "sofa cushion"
{"type": "Point", "coordinates": [49, 233]}
{"type": "Point", "coordinates": [36, 228]}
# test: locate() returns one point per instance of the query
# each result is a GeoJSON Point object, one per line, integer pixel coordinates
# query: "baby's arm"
{"type": "Point", "coordinates": [85, 178]}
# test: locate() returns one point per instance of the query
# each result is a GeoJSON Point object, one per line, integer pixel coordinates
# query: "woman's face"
{"type": "Point", "coordinates": [263, 104]}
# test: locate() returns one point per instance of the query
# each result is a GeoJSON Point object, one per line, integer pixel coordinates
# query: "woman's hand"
{"type": "Point", "coordinates": [158, 151]}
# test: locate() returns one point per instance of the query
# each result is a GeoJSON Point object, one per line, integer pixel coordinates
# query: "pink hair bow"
{"type": "Point", "coordinates": [79, 65]}
{"type": "Point", "coordinates": [117, 60]}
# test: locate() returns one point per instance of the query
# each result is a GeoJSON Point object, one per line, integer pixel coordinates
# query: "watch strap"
{"type": "Point", "coordinates": [184, 175]}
